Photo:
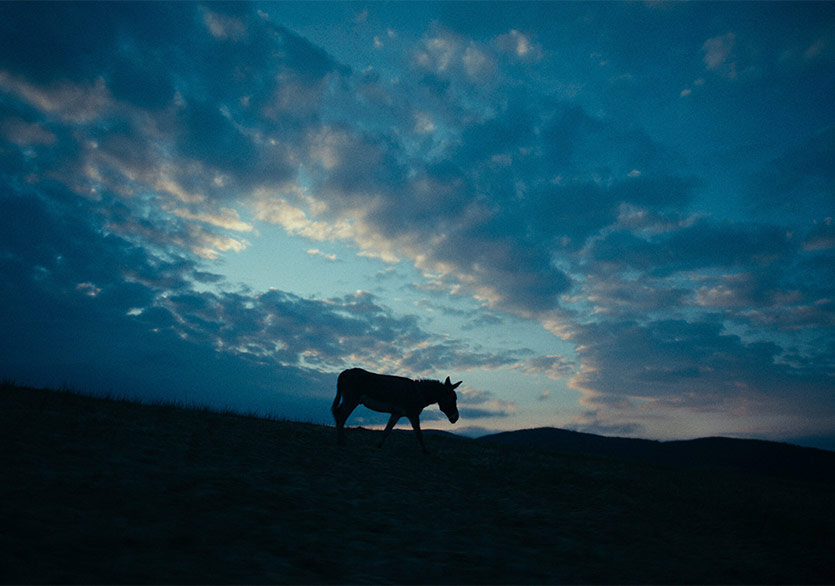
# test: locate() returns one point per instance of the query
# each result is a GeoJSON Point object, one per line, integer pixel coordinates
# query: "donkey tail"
{"type": "Point", "coordinates": [336, 400]}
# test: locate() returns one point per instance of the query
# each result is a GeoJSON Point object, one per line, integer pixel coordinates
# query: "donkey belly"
{"type": "Point", "coordinates": [381, 405]}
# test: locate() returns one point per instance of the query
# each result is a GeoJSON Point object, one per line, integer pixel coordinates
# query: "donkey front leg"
{"type": "Point", "coordinates": [415, 419]}
{"type": "Point", "coordinates": [341, 415]}
{"type": "Point", "coordinates": [389, 426]}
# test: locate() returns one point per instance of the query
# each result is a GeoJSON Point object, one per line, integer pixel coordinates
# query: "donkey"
{"type": "Point", "coordinates": [391, 394]}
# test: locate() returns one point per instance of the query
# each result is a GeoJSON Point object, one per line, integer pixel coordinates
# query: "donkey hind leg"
{"type": "Point", "coordinates": [416, 426]}
{"type": "Point", "coordinates": [341, 414]}
{"type": "Point", "coordinates": [335, 404]}
{"type": "Point", "coordinates": [389, 426]}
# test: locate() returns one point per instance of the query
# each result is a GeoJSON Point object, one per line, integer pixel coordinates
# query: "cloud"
{"type": "Point", "coordinates": [704, 243]}
{"type": "Point", "coordinates": [423, 123]}
{"type": "Point", "coordinates": [816, 49]}
{"type": "Point", "coordinates": [144, 324]}
{"type": "Point", "coordinates": [718, 51]}
{"type": "Point", "coordinates": [477, 63]}
{"type": "Point", "coordinates": [591, 421]}
{"type": "Point", "coordinates": [450, 56]}
{"type": "Point", "coordinates": [24, 133]}
{"type": "Point", "coordinates": [695, 366]}
{"type": "Point", "coordinates": [429, 358]}
{"type": "Point", "coordinates": [85, 311]}
{"type": "Point", "coordinates": [287, 330]}
{"type": "Point", "coordinates": [519, 46]}
{"type": "Point", "coordinates": [361, 17]}
{"type": "Point", "coordinates": [226, 218]}
{"type": "Point", "coordinates": [211, 149]}
{"type": "Point", "coordinates": [553, 366]}
{"type": "Point", "coordinates": [800, 183]}
{"type": "Point", "coordinates": [734, 57]}
{"type": "Point", "coordinates": [614, 295]}
{"type": "Point", "coordinates": [475, 404]}
{"type": "Point", "coordinates": [821, 236]}
{"type": "Point", "coordinates": [154, 143]}
{"type": "Point", "coordinates": [319, 253]}
{"type": "Point", "coordinates": [175, 167]}
{"type": "Point", "coordinates": [463, 224]}
{"type": "Point", "coordinates": [67, 101]}
{"type": "Point", "coordinates": [438, 54]}
{"type": "Point", "coordinates": [224, 27]}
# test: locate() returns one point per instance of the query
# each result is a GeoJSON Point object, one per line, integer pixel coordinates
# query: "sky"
{"type": "Point", "coordinates": [608, 217]}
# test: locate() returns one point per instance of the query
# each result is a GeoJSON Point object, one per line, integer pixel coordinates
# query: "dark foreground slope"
{"type": "Point", "coordinates": [98, 491]}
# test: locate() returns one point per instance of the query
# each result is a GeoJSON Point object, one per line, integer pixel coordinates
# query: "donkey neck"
{"type": "Point", "coordinates": [429, 390]}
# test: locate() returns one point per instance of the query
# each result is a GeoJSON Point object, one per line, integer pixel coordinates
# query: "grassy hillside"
{"type": "Point", "coordinates": [100, 491]}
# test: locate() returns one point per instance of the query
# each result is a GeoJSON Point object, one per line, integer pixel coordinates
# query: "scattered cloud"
{"type": "Point", "coordinates": [361, 17]}
{"type": "Point", "coordinates": [22, 133]}
{"type": "Point", "coordinates": [325, 256]}
{"type": "Point", "coordinates": [224, 27]}
{"type": "Point", "coordinates": [475, 404]}
{"type": "Point", "coordinates": [519, 46]}
{"type": "Point", "coordinates": [139, 160]}
{"type": "Point", "coordinates": [553, 366]}
{"type": "Point", "coordinates": [694, 367]}
{"type": "Point", "coordinates": [718, 52]}
{"type": "Point", "coordinates": [69, 102]}
{"type": "Point", "coordinates": [800, 182]}
{"type": "Point", "coordinates": [816, 49]}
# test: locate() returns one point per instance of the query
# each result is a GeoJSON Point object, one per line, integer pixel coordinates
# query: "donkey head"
{"type": "Point", "coordinates": [448, 400]}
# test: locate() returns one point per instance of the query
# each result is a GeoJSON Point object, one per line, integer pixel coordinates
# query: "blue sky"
{"type": "Point", "coordinates": [608, 217]}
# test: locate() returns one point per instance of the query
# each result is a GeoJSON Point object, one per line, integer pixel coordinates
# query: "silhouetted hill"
{"type": "Point", "coordinates": [750, 456]}
{"type": "Point", "coordinates": [103, 491]}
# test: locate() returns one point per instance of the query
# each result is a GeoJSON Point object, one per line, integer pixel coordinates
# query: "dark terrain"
{"type": "Point", "coordinates": [107, 491]}
{"type": "Point", "coordinates": [710, 453]}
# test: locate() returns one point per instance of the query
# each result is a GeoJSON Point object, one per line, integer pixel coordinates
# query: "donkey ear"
{"type": "Point", "coordinates": [448, 383]}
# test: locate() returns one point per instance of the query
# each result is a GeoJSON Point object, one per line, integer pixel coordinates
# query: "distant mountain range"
{"type": "Point", "coordinates": [750, 456]}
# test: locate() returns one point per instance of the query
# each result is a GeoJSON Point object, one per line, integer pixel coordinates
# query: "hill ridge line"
{"type": "Point", "coordinates": [742, 454]}
{"type": "Point", "coordinates": [747, 455]}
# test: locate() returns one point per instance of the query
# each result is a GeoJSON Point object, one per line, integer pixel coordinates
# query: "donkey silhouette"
{"type": "Point", "coordinates": [400, 396]}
